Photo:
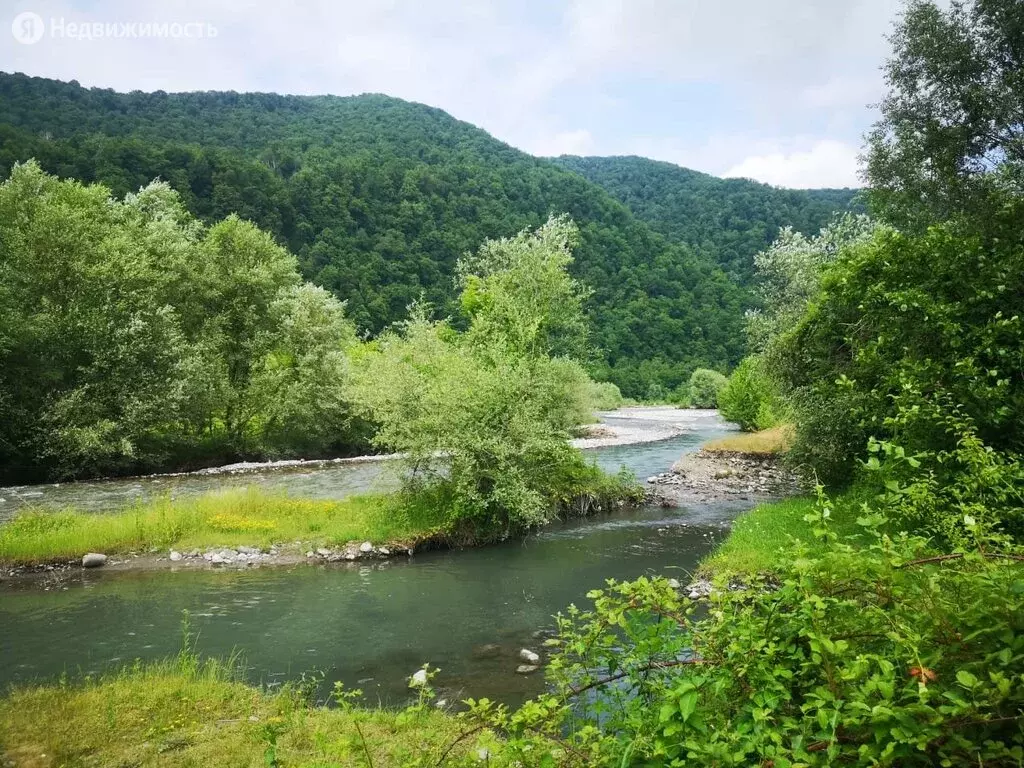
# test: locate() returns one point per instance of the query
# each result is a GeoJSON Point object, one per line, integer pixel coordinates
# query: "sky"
{"type": "Point", "coordinates": [778, 91]}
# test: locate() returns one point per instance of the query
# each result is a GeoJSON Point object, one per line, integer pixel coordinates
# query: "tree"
{"type": "Point", "coordinates": [484, 416]}
{"type": "Point", "coordinates": [951, 137]}
{"type": "Point", "coordinates": [133, 338]}
{"type": "Point", "coordinates": [243, 273]}
{"type": "Point", "coordinates": [89, 348]}
{"type": "Point", "coordinates": [789, 275]}
{"type": "Point", "coordinates": [705, 386]}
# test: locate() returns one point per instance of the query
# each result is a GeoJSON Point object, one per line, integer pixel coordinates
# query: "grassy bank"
{"type": "Point", "coordinates": [186, 713]}
{"type": "Point", "coordinates": [767, 442]}
{"type": "Point", "coordinates": [247, 517]}
{"type": "Point", "coordinates": [257, 518]}
{"type": "Point", "coordinates": [757, 536]}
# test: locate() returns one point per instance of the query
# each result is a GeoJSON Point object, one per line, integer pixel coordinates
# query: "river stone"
{"type": "Point", "coordinates": [418, 679]}
{"type": "Point", "coordinates": [93, 560]}
{"type": "Point", "coordinates": [526, 669]}
{"type": "Point", "coordinates": [366, 547]}
{"type": "Point", "coordinates": [530, 657]}
{"type": "Point", "coordinates": [248, 550]}
{"type": "Point", "coordinates": [175, 556]}
{"type": "Point", "coordinates": [488, 651]}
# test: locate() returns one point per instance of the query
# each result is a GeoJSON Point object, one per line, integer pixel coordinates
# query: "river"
{"type": "Point", "coordinates": [371, 626]}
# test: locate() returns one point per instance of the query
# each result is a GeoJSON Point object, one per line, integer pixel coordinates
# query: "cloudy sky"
{"type": "Point", "coordinates": [777, 91]}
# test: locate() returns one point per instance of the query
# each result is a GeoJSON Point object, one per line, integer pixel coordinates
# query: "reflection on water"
{"type": "Point", "coordinates": [368, 625]}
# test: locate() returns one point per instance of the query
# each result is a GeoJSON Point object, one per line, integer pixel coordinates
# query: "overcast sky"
{"type": "Point", "coordinates": [776, 90]}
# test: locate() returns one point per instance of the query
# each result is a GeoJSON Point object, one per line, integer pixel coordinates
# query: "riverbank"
{"type": "Point", "coordinates": [186, 713]}
{"type": "Point", "coordinates": [252, 528]}
{"type": "Point", "coordinates": [746, 466]}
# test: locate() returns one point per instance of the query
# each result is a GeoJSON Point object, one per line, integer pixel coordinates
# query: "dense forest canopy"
{"type": "Point", "coordinates": [378, 198]}
{"type": "Point", "coordinates": [728, 220]}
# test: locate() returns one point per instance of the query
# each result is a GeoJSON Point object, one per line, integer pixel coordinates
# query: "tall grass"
{"type": "Point", "coordinates": [240, 517]}
{"type": "Point", "coordinates": [188, 712]}
{"type": "Point", "coordinates": [767, 442]}
{"type": "Point", "coordinates": [759, 535]}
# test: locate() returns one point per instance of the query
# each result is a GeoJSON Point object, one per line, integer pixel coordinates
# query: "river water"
{"type": "Point", "coordinates": [371, 626]}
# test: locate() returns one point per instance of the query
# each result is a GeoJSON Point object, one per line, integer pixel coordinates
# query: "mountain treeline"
{"type": "Point", "coordinates": [727, 220]}
{"type": "Point", "coordinates": [378, 198]}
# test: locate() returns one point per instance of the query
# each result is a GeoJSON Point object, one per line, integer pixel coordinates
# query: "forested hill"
{"type": "Point", "coordinates": [378, 197]}
{"type": "Point", "coordinates": [728, 220]}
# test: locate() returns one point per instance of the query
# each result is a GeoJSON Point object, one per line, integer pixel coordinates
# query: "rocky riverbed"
{"type": "Point", "coordinates": [707, 476]}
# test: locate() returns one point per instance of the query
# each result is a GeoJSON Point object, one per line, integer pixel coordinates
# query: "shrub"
{"type": "Point", "coordinates": [705, 386]}
{"type": "Point", "coordinates": [750, 397]}
{"type": "Point", "coordinates": [604, 396]}
{"type": "Point", "coordinates": [907, 330]}
{"type": "Point", "coordinates": [874, 651]}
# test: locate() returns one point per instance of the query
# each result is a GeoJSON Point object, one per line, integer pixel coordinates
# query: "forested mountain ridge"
{"type": "Point", "coordinates": [378, 198]}
{"type": "Point", "coordinates": [728, 220]}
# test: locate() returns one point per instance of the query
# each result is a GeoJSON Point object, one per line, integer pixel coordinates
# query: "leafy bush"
{"type": "Point", "coordinates": [909, 329]}
{"type": "Point", "coordinates": [484, 416]}
{"type": "Point", "coordinates": [942, 494]}
{"type": "Point", "coordinates": [153, 338]}
{"type": "Point", "coordinates": [876, 651]}
{"type": "Point", "coordinates": [750, 397]}
{"type": "Point", "coordinates": [604, 396]}
{"type": "Point", "coordinates": [705, 385]}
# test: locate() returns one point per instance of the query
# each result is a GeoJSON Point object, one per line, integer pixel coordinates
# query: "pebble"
{"type": "Point", "coordinates": [366, 547]}
{"type": "Point", "coordinates": [175, 556]}
{"type": "Point", "coordinates": [530, 657]}
{"type": "Point", "coordinates": [526, 669]}
{"type": "Point", "coordinates": [418, 679]}
{"type": "Point", "coordinates": [93, 560]}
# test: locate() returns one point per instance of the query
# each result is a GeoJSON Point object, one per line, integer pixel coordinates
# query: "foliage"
{"type": "Point", "coordinates": [750, 397]}
{"type": "Point", "coordinates": [910, 329]}
{"type": "Point", "coordinates": [868, 651]}
{"type": "Point", "coordinates": [944, 494]}
{"type": "Point", "coordinates": [728, 220]}
{"type": "Point", "coordinates": [705, 385]}
{"type": "Point", "coordinates": [247, 517]}
{"type": "Point", "coordinates": [484, 417]}
{"type": "Point", "coordinates": [132, 337]}
{"type": "Point", "coordinates": [378, 198]}
{"type": "Point", "coordinates": [604, 396]}
{"type": "Point", "coordinates": [789, 275]}
{"type": "Point", "coordinates": [949, 142]}
{"type": "Point", "coordinates": [186, 712]}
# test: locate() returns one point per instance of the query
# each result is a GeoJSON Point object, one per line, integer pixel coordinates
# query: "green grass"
{"type": "Point", "coordinates": [247, 517]}
{"type": "Point", "coordinates": [758, 536]}
{"type": "Point", "coordinates": [185, 713]}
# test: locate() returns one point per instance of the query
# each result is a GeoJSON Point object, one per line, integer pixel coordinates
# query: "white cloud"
{"type": "Point", "coordinates": [579, 142]}
{"type": "Point", "coordinates": [826, 163]}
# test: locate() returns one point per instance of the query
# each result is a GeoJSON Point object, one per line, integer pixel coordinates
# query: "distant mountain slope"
{"type": "Point", "coordinates": [379, 197]}
{"type": "Point", "coordinates": [728, 220]}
